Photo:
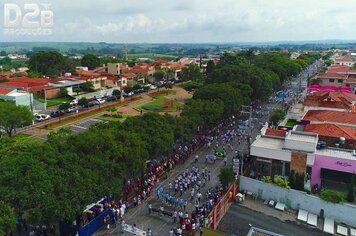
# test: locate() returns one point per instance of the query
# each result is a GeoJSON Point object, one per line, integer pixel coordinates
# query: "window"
{"type": "Point", "coordinates": [331, 80]}
{"type": "Point", "coordinates": [339, 80]}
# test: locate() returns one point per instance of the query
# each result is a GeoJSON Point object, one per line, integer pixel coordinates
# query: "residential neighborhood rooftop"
{"type": "Point", "coordinates": [331, 130]}
{"type": "Point", "coordinates": [331, 116]}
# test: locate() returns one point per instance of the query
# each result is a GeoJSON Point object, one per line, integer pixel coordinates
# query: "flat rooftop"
{"type": "Point", "coordinates": [269, 142]}
{"type": "Point", "coordinates": [305, 137]}
{"type": "Point", "coordinates": [339, 153]}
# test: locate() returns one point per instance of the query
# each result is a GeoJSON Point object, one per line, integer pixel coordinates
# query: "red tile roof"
{"type": "Point", "coordinates": [5, 91]}
{"type": "Point", "coordinates": [129, 75]}
{"type": "Point", "coordinates": [90, 73]}
{"type": "Point", "coordinates": [351, 79]}
{"type": "Point", "coordinates": [331, 130]}
{"type": "Point", "coordinates": [276, 132]}
{"type": "Point", "coordinates": [331, 116]}
{"type": "Point", "coordinates": [330, 99]}
{"type": "Point", "coordinates": [345, 59]}
{"type": "Point", "coordinates": [331, 76]}
{"type": "Point", "coordinates": [338, 69]}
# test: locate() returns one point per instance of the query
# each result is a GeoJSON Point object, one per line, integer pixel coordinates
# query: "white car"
{"type": "Point", "coordinates": [74, 102]}
{"type": "Point", "coordinates": [153, 87]}
{"type": "Point", "coordinates": [42, 117]}
{"type": "Point", "coordinates": [100, 101]}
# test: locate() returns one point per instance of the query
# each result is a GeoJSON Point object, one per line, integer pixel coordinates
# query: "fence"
{"type": "Point", "coordinates": [213, 219]}
{"type": "Point", "coordinates": [295, 199]}
{"type": "Point", "coordinates": [94, 225]}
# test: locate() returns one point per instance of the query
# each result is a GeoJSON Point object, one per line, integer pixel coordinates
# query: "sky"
{"type": "Point", "coordinates": [192, 21]}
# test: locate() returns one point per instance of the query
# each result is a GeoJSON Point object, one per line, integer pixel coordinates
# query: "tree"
{"type": "Point", "coordinates": [52, 64]}
{"type": "Point", "coordinates": [158, 75]}
{"type": "Point", "coordinates": [12, 117]}
{"type": "Point", "coordinates": [210, 67]}
{"type": "Point", "coordinates": [3, 54]}
{"type": "Point", "coordinates": [91, 61]}
{"type": "Point", "coordinates": [128, 89]}
{"type": "Point", "coordinates": [64, 92]}
{"type": "Point", "coordinates": [226, 176]}
{"type": "Point", "coordinates": [83, 102]}
{"type": "Point", "coordinates": [191, 73]}
{"type": "Point", "coordinates": [276, 116]}
{"type": "Point", "coordinates": [64, 106]}
{"type": "Point", "coordinates": [7, 219]}
{"type": "Point", "coordinates": [210, 111]}
{"type": "Point", "coordinates": [230, 96]}
{"type": "Point", "coordinates": [88, 86]}
{"type": "Point", "coordinates": [116, 93]}
{"type": "Point", "coordinates": [34, 74]}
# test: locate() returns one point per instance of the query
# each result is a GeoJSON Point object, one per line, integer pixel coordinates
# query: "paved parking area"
{"type": "Point", "coordinates": [84, 126]}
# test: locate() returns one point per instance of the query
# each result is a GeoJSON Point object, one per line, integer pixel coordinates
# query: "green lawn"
{"type": "Point", "coordinates": [55, 101]}
{"type": "Point", "coordinates": [158, 105]}
{"type": "Point", "coordinates": [110, 118]}
{"type": "Point", "coordinates": [291, 122]}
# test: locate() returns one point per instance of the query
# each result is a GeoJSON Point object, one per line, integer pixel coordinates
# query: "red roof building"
{"type": "Point", "coordinates": [276, 132]}
{"type": "Point", "coordinates": [332, 100]}
{"type": "Point", "coordinates": [337, 117]}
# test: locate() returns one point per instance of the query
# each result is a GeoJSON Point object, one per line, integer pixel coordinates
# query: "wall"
{"type": "Point", "coordinates": [53, 93]}
{"type": "Point", "coordinates": [296, 199]}
{"type": "Point", "coordinates": [331, 163]}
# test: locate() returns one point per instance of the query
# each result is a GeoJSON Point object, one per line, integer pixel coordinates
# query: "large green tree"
{"type": "Point", "coordinates": [51, 64]}
{"type": "Point", "coordinates": [7, 219]}
{"type": "Point", "coordinates": [193, 72]}
{"type": "Point", "coordinates": [91, 61]}
{"type": "Point", "coordinates": [12, 117]}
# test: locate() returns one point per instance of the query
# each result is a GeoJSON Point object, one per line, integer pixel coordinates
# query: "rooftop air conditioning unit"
{"type": "Point", "coordinates": [342, 140]}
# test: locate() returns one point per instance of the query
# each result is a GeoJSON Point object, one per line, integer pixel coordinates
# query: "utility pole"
{"type": "Point", "coordinates": [246, 110]}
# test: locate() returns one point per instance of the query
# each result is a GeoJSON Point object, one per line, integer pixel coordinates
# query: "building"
{"type": "Point", "coordinates": [113, 68]}
{"type": "Point", "coordinates": [18, 97]}
{"type": "Point", "coordinates": [331, 134]}
{"type": "Point", "coordinates": [96, 78]}
{"type": "Point", "coordinates": [332, 78]}
{"type": "Point", "coordinates": [130, 80]}
{"type": "Point", "coordinates": [345, 61]}
{"type": "Point", "coordinates": [302, 152]}
{"type": "Point", "coordinates": [347, 119]}
{"type": "Point", "coordinates": [336, 101]}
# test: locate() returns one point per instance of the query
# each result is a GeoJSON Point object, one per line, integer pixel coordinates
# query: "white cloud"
{"type": "Point", "coordinates": [200, 20]}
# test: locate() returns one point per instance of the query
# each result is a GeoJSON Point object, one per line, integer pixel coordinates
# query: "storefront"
{"type": "Point", "coordinates": [331, 172]}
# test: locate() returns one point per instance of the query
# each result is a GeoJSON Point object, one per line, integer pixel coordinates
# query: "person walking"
{"type": "Point", "coordinates": [171, 232]}
{"type": "Point", "coordinates": [225, 160]}
{"type": "Point", "coordinates": [149, 208]}
{"type": "Point", "coordinates": [175, 213]}
{"type": "Point", "coordinates": [196, 158]}
{"type": "Point", "coordinates": [149, 232]}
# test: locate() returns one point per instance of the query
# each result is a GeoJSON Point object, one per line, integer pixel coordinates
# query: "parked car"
{"type": "Point", "coordinates": [57, 113]}
{"type": "Point", "coordinates": [72, 109]}
{"type": "Point", "coordinates": [100, 101]}
{"type": "Point", "coordinates": [153, 87]}
{"type": "Point", "coordinates": [74, 102]}
{"type": "Point", "coordinates": [42, 117]}
{"type": "Point", "coordinates": [97, 97]}
{"type": "Point", "coordinates": [111, 98]}
{"type": "Point", "coordinates": [92, 103]}
{"type": "Point", "coordinates": [127, 95]}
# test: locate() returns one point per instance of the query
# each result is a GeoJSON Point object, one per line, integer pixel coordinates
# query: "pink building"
{"type": "Point", "coordinates": [332, 170]}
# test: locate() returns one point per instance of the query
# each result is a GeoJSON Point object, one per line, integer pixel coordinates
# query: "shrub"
{"type": "Point", "coordinates": [267, 179]}
{"type": "Point", "coordinates": [281, 183]}
{"type": "Point", "coordinates": [332, 196]}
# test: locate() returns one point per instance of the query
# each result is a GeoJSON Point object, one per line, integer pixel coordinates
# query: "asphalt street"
{"type": "Point", "coordinates": [238, 220]}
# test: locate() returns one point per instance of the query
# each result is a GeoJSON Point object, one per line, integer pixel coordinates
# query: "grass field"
{"type": "Point", "coordinates": [55, 101]}
{"type": "Point", "coordinates": [160, 105]}
{"type": "Point", "coordinates": [111, 118]}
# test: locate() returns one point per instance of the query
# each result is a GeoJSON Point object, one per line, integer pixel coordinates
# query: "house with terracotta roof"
{"type": "Point", "coordinates": [331, 134]}
{"type": "Point", "coordinates": [331, 78]}
{"type": "Point", "coordinates": [130, 80]}
{"type": "Point", "coordinates": [335, 101]}
{"type": "Point", "coordinates": [344, 61]}
{"type": "Point", "coordinates": [347, 119]}
{"type": "Point", "coordinates": [96, 78]}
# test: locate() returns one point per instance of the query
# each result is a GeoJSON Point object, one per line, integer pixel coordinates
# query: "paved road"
{"type": "Point", "coordinates": [238, 220]}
